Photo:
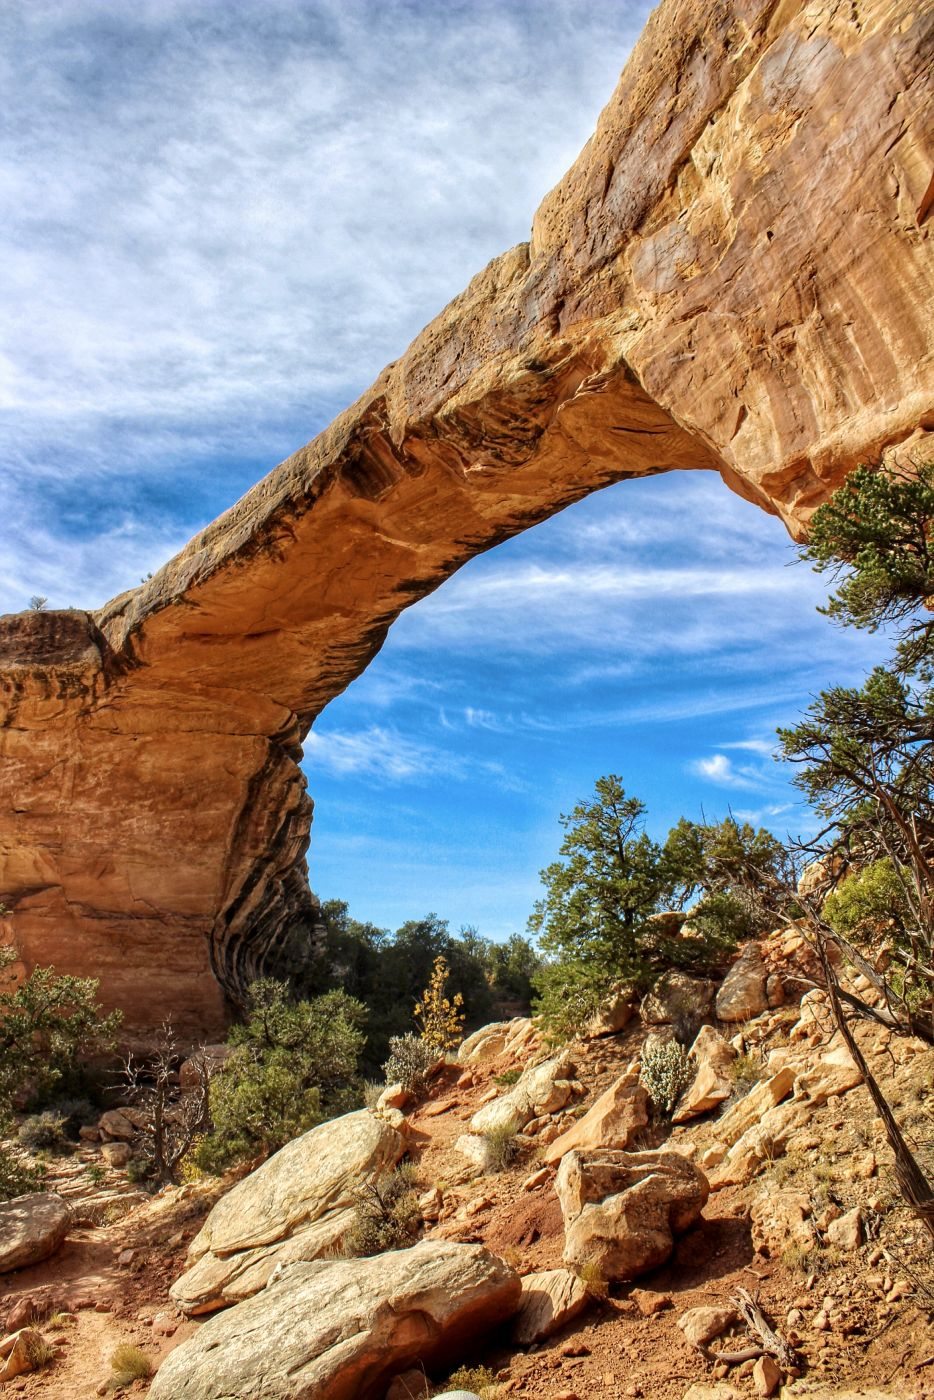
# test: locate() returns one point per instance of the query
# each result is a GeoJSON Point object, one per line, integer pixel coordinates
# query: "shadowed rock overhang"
{"type": "Point", "coordinates": [736, 274]}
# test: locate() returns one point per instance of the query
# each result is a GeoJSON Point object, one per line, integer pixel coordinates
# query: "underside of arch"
{"type": "Point", "coordinates": [736, 275]}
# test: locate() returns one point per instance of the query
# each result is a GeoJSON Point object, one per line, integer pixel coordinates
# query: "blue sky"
{"type": "Point", "coordinates": [217, 223]}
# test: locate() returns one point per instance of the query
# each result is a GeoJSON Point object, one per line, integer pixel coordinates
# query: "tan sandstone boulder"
{"type": "Point", "coordinates": [542, 1089]}
{"type": "Point", "coordinates": [781, 1220]}
{"type": "Point", "coordinates": [31, 1228]}
{"type": "Point", "coordinates": [742, 993]}
{"type": "Point", "coordinates": [613, 1121]}
{"type": "Point", "coordinates": [549, 1300]}
{"type": "Point", "coordinates": [17, 1352]}
{"type": "Point", "coordinates": [679, 996]}
{"type": "Point", "coordinates": [622, 1209]}
{"type": "Point", "coordinates": [340, 1329]}
{"type": "Point", "coordinates": [713, 1082]}
{"type": "Point", "coordinates": [296, 1206]}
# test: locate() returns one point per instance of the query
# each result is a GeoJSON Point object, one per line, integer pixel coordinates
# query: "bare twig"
{"type": "Point", "coordinates": [759, 1325]}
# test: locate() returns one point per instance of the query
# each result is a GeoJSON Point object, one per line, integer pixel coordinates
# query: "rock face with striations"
{"type": "Point", "coordinates": [339, 1329]}
{"type": "Point", "coordinates": [735, 274]}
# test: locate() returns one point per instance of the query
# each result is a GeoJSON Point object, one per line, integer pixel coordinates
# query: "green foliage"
{"type": "Point", "coordinates": [44, 1132]}
{"type": "Point", "coordinates": [386, 1214]}
{"type": "Point", "coordinates": [745, 1071]}
{"type": "Point", "coordinates": [502, 1147]}
{"type": "Point", "coordinates": [47, 1023]}
{"type": "Point", "coordinates": [508, 1078]}
{"type": "Point", "coordinates": [294, 1065]}
{"type": "Point", "coordinates": [666, 1073]}
{"type": "Point", "coordinates": [595, 920]}
{"type": "Point", "coordinates": [874, 538]}
{"type": "Point", "coordinates": [410, 1059]}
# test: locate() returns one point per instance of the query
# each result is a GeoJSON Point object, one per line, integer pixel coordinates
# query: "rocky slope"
{"type": "Point", "coordinates": [736, 275]}
{"type": "Point", "coordinates": [604, 1265]}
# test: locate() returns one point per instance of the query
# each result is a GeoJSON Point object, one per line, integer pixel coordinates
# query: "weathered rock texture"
{"type": "Point", "coordinates": [735, 274]}
{"type": "Point", "coordinates": [340, 1329]}
{"type": "Point", "coordinates": [297, 1206]}
{"type": "Point", "coordinates": [31, 1228]}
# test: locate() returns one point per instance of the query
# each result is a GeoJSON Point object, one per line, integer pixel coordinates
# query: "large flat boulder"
{"type": "Point", "coordinates": [541, 1089]}
{"type": "Point", "coordinates": [549, 1300]}
{"type": "Point", "coordinates": [297, 1206]}
{"type": "Point", "coordinates": [713, 1083]}
{"type": "Point", "coordinates": [622, 1210]}
{"type": "Point", "coordinates": [340, 1329]}
{"type": "Point", "coordinates": [612, 1121]}
{"type": "Point", "coordinates": [31, 1228]}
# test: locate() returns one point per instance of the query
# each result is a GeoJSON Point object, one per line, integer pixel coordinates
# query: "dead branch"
{"type": "Point", "coordinates": [757, 1322]}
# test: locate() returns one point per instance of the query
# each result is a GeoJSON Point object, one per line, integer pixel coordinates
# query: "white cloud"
{"type": "Point", "coordinates": [218, 223]}
{"type": "Point", "coordinates": [721, 769]}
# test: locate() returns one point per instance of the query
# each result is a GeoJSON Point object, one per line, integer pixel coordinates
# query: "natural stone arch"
{"type": "Point", "coordinates": [735, 274]}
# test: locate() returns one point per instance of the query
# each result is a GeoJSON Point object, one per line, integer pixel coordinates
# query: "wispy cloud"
{"type": "Point", "coordinates": [220, 222]}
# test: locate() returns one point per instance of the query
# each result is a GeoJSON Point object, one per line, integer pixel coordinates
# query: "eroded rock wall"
{"type": "Point", "coordinates": [736, 275]}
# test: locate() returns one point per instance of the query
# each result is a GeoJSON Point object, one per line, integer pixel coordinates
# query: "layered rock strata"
{"type": "Point", "coordinates": [735, 274]}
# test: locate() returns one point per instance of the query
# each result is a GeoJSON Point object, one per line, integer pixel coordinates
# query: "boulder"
{"type": "Point", "coordinates": [341, 1329]}
{"type": "Point", "coordinates": [296, 1206]}
{"type": "Point", "coordinates": [749, 1110]}
{"type": "Point", "coordinates": [613, 1121]}
{"type": "Point", "coordinates": [549, 1300]}
{"type": "Point", "coordinates": [847, 1231]}
{"type": "Point", "coordinates": [679, 996]}
{"type": "Point", "coordinates": [115, 1125]}
{"type": "Point", "coordinates": [116, 1154]}
{"type": "Point", "coordinates": [781, 1220]}
{"type": "Point", "coordinates": [701, 1325]}
{"type": "Point", "coordinates": [393, 1096]}
{"type": "Point", "coordinates": [622, 1209]}
{"type": "Point", "coordinates": [743, 994]}
{"type": "Point", "coordinates": [713, 1082]}
{"type": "Point", "coordinates": [16, 1353]}
{"type": "Point", "coordinates": [485, 1044]}
{"type": "Point", "coordinates": [31, 1228]}
{"type": "Point", "coordinates": [210, 1057]}
{"type": "Point", "coordinates": [542, 1089]}
{"type": "Point", "coordinates": [614, 1016]}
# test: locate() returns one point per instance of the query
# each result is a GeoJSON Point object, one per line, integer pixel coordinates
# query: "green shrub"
{"type": "Point", "coordinates": [44, 1132]}
{"type": "Point", "coordinates": [386, 1214]}
{"type": "Point", "coordinates": [410, 1060]}
{"type": "Point", "coordinates": [510, 1077]}
{"type": "Point", "coordinates": [745, 1072]}
{"type": "Point", "coordinates": [294, 1065]}
{"type": "Point", "coordinates": [502, 1147]}
{"type": "Point", "coordinates": [666, 1073]}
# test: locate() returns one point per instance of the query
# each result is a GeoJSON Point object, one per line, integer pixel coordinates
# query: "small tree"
{"type": "Point", "coordinates": [294, 1065]}
{"type": "Point", "coordinates": [37, 602]}
{"type": "Point", "coordinates": [439, 1017]}
{"type": "Point", "coordinates": [47, 1023]}
{"type": "Point", "coordinates": [168, 1119]}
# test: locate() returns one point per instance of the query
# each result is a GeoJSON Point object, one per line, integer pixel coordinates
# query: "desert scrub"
{"type": "Point", "coordinates": [386, 1214]}
{"type": "Point", "coordinates": [502, 1147]}
{"type": "Point", "coordinates": [39, 1352]}
{"type": "Point", "coordinates": [371, 1092]}
{"type": "Point", "coordinates": [128, 1364]}
{"type": "Point", "coordinates": [440, 1017]}
{"type": "Point", "coordinates": [508, 1078]}
{"type": "Point", "coordinates": [666, 1073]}
{"type": "Point", "coordinates": [479, 1379]}
{"type": "Point", "coordinates": [410, 1060]}
{"type": "Point", "coordinates": [745, 1072]}
{"type": "Point", "coordinates": [44, 1132]}
{"type": "Point", "coordinates": [593, 1278]}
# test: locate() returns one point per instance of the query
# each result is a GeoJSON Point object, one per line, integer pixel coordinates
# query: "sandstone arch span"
{"type": "Point", "coordinates": [735, 274]}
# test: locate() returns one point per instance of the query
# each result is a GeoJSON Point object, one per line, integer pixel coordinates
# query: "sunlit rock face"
{"type": "Point", "coordinates": [735, 274]}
